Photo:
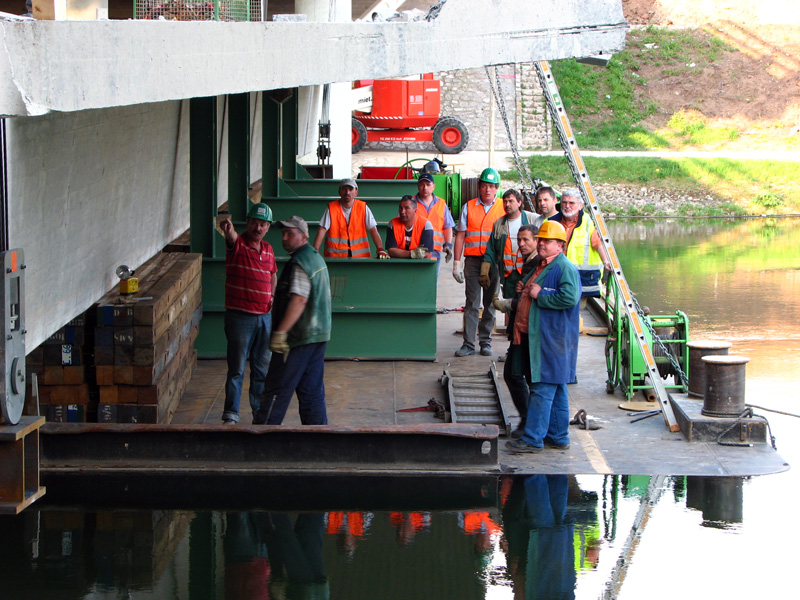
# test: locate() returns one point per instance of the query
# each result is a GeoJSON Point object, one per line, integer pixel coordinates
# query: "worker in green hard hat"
{"type": "Point", "coordinates": [472, 234]}
{"type": "Point", "coordinates": [250, 280]}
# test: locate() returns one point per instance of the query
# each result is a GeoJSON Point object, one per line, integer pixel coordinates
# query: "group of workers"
{"type": "Point", "coordinates": [535, 267]}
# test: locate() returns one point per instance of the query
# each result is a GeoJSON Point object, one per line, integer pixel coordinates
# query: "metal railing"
{"type": "Point", "coordinates": [197, 10]}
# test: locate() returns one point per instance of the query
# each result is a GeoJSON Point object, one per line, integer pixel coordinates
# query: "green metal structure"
{"type": "Point", "coordinates": [624, 361]}
{"type": "Point", "coordinates": [381, 309]}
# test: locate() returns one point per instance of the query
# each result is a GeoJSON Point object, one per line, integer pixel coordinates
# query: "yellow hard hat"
{"type": "Point", "coordinates": [552, 230]}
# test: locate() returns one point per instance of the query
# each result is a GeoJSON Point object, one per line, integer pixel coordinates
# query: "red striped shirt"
{"type": "Point", "coordinates": [248, 277]}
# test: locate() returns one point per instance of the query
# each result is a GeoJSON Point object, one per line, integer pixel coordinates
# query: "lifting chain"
{"type": "Point", "coordinates": [676, 367]}
{"type": "Point", "coordinates": [528, 186]}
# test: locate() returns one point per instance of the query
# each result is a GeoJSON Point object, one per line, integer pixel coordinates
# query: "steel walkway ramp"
{"type": "Point", "coordinates": [475, 398]}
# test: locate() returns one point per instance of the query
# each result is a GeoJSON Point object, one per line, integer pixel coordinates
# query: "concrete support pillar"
{"type": "Point", "coordinates": [340, 108]}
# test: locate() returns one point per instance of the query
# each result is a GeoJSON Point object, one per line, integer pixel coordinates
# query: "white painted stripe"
{"type": "Point", "coordinates": [593, 453]}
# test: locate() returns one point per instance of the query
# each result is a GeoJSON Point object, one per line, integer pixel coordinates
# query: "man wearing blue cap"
{"type": "Point", "coordinates": [435, 210]}
{"type": "Point", "coordinates": [250, 280]}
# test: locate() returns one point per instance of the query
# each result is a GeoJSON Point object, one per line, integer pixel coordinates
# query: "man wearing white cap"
{"type": "Point", "coordinates": [347, 222]}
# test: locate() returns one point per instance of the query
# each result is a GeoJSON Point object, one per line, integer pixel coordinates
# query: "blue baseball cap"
{"type": "Point", "coordinates": [425, 177]}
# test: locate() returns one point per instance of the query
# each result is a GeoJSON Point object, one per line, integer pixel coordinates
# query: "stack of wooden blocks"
{"type": "Point", "coordinates": [144, 344]}
{"type": "Point", "coordinates": [62, 374]}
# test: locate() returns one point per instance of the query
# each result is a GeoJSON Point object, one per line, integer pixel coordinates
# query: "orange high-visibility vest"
{"type": "Point", "coordinates": [436, 217]}
{"type": "Point", "coordinates": [479, 226]}
{"type": "Point", "coordinates": [416, 232]}
{"type": "Point", "coordinates": [343, 237]}
{"type": "Point", "coordinates": [510, 261]}
{"type": "Point", "coordinates": [476, 522]}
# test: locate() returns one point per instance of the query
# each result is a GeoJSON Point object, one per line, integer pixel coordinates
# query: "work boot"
{"type": "Point", "coordinates": [554, 446]}
{"type": "Point", "coordinates": [521, 446]}
{"type": "Point", "coordinates": [228, 422]}
{"type": "Point", "coordinates": [486, 349]}
{"type": "Point", "coordinates": [465, 351]}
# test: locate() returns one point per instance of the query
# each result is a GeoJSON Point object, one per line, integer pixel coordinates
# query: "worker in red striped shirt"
{"type": "Point", "coordinates": [250, 280]}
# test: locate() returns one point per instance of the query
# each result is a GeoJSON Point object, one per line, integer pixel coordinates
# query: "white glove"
{"type": "Point", "coordinates": [458, 271]}
{"type": "Point", "coordinates": [504, 306]}
{"type": "Point", "coordinates": [420, 252]}
{"type": "Point", "coordinates": [279, 343]}
{"type": "Point", "coordinates": [382, 254]}
{"type": "Point", "coordinates": [448, 252]}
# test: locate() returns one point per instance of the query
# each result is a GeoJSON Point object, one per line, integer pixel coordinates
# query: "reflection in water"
{"type": "Point", "coordinates": [544, 539]}
{"type": "Point", "coordinates": [719, 272]}
{"type": "Point", "coordinates": [737, 280]}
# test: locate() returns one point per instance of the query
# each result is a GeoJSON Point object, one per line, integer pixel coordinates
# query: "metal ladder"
{"type": "Point", "coordinates": [631, 306]}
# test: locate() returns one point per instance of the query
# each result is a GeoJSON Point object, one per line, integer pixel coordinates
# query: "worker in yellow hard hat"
{"type": "Point", "coordinates": [545, 335]}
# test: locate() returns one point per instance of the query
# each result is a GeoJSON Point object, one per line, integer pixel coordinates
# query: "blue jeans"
{"type": "Point", "coordinates": [248, 339]}
{"type": "Point", "coordinates": [303, 371]}
{"type": "Point", "coordinates": [548, 414]}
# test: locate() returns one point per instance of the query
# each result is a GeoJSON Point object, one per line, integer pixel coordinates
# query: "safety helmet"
{"type": "Point", "coordinates": [552, 230]}
{"type": "Point", "coordinates": [490, 175]}
{"type": "Point", "coordinates": [260, 211]}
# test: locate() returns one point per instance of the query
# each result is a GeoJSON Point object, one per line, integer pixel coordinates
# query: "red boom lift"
{"type": "Point", "coordinates": [405, 110]}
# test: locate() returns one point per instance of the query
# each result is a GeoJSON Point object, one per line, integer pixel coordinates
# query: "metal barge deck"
{"type": "Point", "coordinates": [368, 435]}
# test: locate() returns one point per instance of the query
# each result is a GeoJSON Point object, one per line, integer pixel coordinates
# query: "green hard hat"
{"type": "Point", "coordinates": [489, 175]}
{"type": "Point", "coordinates": [260, 211]}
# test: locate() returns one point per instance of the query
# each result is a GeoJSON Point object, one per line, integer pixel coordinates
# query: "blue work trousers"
{"type": "Point", "coordinates": [548, 414]}
{"type": "Point", "coordinates": [248, 339]}
{"type": "Point", "coordinates": [302, 372]}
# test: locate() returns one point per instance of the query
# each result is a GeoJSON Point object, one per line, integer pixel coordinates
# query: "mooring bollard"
{"type": "Point", "coordinates": [724, 389]}
{"type": "Point", "coordinates": [697, 372]}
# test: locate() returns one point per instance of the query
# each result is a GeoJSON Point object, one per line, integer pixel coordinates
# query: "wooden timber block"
{"type": "Point", "coordinates": [123, 375]}
{"type": "Point", "coordinates": [104, 355]}
{"type": "Point", "coordinates": [64, 394]}
{"type": "Point", "coordinates": [62, 354]}
{"type": "Point", "coordinates": [180, 310]}
{"type": "Point", "coordinates": [148, 273]}
{"type": "Point", "coordinates": [104, 375]}
{"type": "Point", "coordinates": [68, 375]}
{"type": "Point", "coordinates": [166, 290]}
{"type": "Point", "coordinates": [35, 357]}
{"type": "Point", "coordinates": [19, 455]}
{"type": "Point", "coordinates": [66, 413]}
{"type": "Point", "coordinates": [74, 375]}
{"type": "Point", "coordinates": [109, 394]}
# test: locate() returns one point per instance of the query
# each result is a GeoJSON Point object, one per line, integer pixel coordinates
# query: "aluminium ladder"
{"type": "Point", "coordinates": [631, 307]}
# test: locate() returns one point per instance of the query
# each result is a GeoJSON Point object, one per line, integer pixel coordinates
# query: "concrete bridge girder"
{"type": "Point", "coordinates": [76, 65]}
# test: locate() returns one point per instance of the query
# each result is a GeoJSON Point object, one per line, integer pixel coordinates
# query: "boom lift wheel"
{"type": "Point", "coordinates": [359, 136]}
{"type": "Point", "coordinates": [450, 135]}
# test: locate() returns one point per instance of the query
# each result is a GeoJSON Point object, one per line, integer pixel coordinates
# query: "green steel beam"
{"type": "Point", "coordinates": [238, 155]}
{"type": "Point", "coordinates": [289, 137]}
{"type": "Point", "coordinates": [202, 174]}
{"type": "Point", "coordinates": [271, 145]}
{"type": "Point", "coordinates": [375, 305]}
{"type": "Point", "coordinates": [376, 188]}
{"type": "Point", "coordinates": [312, 208]}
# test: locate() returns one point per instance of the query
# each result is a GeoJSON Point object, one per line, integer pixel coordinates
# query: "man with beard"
{"type": "Point", "coordinates": [584, 247]}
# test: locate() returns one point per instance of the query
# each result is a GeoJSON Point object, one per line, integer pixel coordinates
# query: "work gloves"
{"type": "Point", "coordinates": [382, 254]}
{"type": "Point", "coordinates": [458, 271]}
{"type": "Point", "coordinates": [483, 278]}
{"type": "Point", "coordinates": [504, 306]}
{"type": "Point", "coordinates": [279, 343]}
{"type": "Point", "coordinates": [448, 251]}
{"type": "Point", "coordinates": [421, 252]}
